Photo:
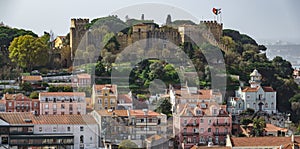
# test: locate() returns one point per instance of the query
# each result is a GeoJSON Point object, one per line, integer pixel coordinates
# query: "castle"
{"type": "Point", "coordinates": [176, 35]}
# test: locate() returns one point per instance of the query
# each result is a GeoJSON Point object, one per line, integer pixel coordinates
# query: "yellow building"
{"type": "Point", "coordinates": [105, 97]}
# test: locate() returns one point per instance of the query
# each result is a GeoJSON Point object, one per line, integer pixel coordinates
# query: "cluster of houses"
{"type": "Point", "coordinates": [199, 118]}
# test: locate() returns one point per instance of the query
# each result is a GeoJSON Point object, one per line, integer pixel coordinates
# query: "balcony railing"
{"type": "Point", "coordinates": [221, 124]}
{"type": "Point", "coordinates": [192, 124]}
{"type": "Point", "coordinates": [220, 133]}
{"type": "Point", "coordinates": [190, 133]}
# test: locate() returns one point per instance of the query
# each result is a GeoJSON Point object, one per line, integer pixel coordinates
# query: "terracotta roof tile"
{"type": "Point", "coordinates": [84, 76]}
{"type": "Point", "coordinates": [125, 98]}
{"type": "Point", "coordinates": [113, 87]}
{"type": "Point", "coordinates": [62, 94]}
{"type": "Point", "coordinates": [32, 78]}
{"type": "Point", "coordinates": [268, 89]}
{"type": "Point", "coordinates": [19, 118]}
{"type": "Point", "coordinates": [259, 141]}
{"type": "Point", "coordinates": [110, 113]}
{"type": "Point", "coordinates": [142, 113]}
{"type": "Point", "coordinates": [271, 127]}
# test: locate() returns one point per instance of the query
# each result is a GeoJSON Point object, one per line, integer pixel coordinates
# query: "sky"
{"type": "Point", "coordinates": [264, 20]}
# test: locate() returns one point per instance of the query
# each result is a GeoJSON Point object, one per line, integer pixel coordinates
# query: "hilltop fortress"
{"type": "Point", "coordinates": [176, 34]}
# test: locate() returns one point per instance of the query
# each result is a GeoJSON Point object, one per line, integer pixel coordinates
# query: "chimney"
{"type": "Point", "coordinates": [293, 138]}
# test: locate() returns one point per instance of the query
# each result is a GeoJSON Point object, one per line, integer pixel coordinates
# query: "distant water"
{"type": "Point", "coordinates": [288, 52]}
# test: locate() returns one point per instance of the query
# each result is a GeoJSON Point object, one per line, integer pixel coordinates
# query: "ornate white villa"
{"type": "Point", "coordinates": [257, 97]}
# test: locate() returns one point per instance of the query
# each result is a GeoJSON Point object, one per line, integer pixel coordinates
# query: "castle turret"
{"type": "Point", "coordinates": [255, 79]}
{"type": "Point", "coordinates": [77, 31]}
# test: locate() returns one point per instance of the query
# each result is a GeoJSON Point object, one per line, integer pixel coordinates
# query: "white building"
{"type": "Point", "coordinates": [257, 97]}
{"type": "Point", "coordinates": [62, 103]}
{"type": "Point", "coordinates": [50, 131]}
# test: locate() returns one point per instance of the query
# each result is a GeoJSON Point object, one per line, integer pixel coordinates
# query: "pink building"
{"type": "Point", "coordinates": [20, 103]}
{"type": "Point", "coordinates": [82, 80]}
{"type": "Point", "coordinates": [62, 103]}
{"type": "Point", "coordinates": [201, 123]}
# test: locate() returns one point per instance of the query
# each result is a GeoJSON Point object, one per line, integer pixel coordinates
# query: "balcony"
{"type": "Point", "coordinates": [220, 133]}
{"type": "Point", "coordinates": [221, 124]}
{"type": "Point", "coordinates": [192, 124]}
{"type": "Point", "coordinates": [190, 133]}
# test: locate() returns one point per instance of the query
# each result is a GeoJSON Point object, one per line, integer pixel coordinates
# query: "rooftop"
{"type": "Point", "coordinates": [29, 118]}
{"type": "Point", "coordinates": [261, 141]}
{"type": "Point", "coordinates": [62, 94]}
{"type": "Point", "coordinates": [32, 78]}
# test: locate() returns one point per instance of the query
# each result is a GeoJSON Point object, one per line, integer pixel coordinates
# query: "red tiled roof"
{"type": "Point", "coordinates": [259, 141]}
{"type": "Point", "coordinates": [15, 97]}
{"type": "Point", "coordinates": [84, 76]}
{"type": "Point", "coordinates": [271, 127]}
{"type": "Point", "coordinates": [113, 112]}
{"type": "Point", "coordinates": [265, 88]}
{"type": "Point", "coordinates": [201, 94]}
{"type": "Point", "coordinates": [142, 113]}
{"type": "Point", "coordinates": [19, 118]}
{"type": "Point", "coordinates": [113, 87]}
{"type": "Point", "coordinates": [125, 97]}
{"type": "Point", "coordinates": [62, 94]}
{"type": "Point", "coordinates": [32, 78]}
{"type": "Point", "coordinates": [268, 89]}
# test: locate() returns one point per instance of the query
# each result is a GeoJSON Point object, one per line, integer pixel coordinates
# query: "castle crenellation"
{"type": "Point", "coordinates": [141, 31]}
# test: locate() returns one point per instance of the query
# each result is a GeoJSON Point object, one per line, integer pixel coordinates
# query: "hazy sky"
{"type": "Point", "coordinates": [261, 19]}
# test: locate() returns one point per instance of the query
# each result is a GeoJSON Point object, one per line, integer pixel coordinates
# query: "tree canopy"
{"type": "Point", "coordinates": [28, 51]}
{"type": "Point", "coordinates": [127, 144]}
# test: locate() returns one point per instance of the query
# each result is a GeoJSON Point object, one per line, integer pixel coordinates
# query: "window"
{"type": "Point", "coordinates": [248, 96]}
{"type": "Point", "coordinates": [209, 130]}
{"type": "Point", "coordinates": [202, 130]}
{"type": "Point", "coordinates": [226, 130]}
{"type": "Point", "coordinates": [100, 100]}
{"type": "Point", "coordinates": [185, 122]}
{"type": "Point", "coordinates": [195, 122]}
{"type": "Point", "coordinates": [189, 140]}
{"type": "Point", "coordinates": [201, 120]}
{"type": "Point", "coordinates": [209, 121]}
{"type": "Point", "coordinates": [217, 130]}
{"type": "Point", "coordinates": [217, 139]}
{"type": "Point", "coordinates": [272, 105]}
{"type": "Point", "coordinates": [215, 111]}
{"type": "Point", "coordinates": [40, 129]}
{"type": "Point", "coordinates": [54, 129]}
{"type": "Point", "coordinates": [195, 139]}
{"type": "Point", "coordinates": [202, 140]}
{"type": "Point", "coordinates": [240, 104]}
{"type": "Point", "coordinates": [54, 107]}
{"type": "Point", "coordinates": [266, 105]}
{"type": "Point", "coordinates": [62, 106]}
{"type": "Point", "coordinates": [9, 104]}
{"type": "Point", "coordinates": [46, 106]}
{"type": "Point", "coordinates": [81, 139]}
{"type": "Point", "coordinates": [68, 128]}
{"type": "Point", "coordinates": [105, 101]}
{"type": "Point", "coordinates": [184, 130]}
{"type": "Point", "coordinates": [35, 104]}
{"type": "Point", "coordinates": [81, 128]}
{"type": "Point", "coordinates": [198, 112]}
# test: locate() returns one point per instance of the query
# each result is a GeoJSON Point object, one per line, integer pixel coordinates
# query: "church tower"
{"type": "Point", "coordinates": [255, 79]}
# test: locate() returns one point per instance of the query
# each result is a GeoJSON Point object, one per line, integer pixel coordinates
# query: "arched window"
{"type": "Point", "coordinates": [266, 105]}
{"type": "Point", "coordinates": [272, 105]}
{"type": "Point", "coordinates": [81, 139]}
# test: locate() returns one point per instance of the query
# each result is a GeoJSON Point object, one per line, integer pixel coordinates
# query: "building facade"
{"type": "Point", "coordinates": [201, 123]}
{"type": "Point", "coordinates": [135, 125]}
{"type": "Point", "coordinates": [257, 97]}
{"type": "Point", "coordinates": [20, 103]}
{"type": "Point", "coordinates": [105, 96]}
{"type": "Point", "coordinates": [25, 130]}
{"type": "Point", "coordinates": [61, 103]}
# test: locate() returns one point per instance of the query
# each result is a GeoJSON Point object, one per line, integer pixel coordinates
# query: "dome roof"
{"type": "Point", "coordinates": [255, 73]}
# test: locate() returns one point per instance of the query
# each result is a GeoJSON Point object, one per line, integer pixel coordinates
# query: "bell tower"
{"type": "Point", "coordinates": [255, 79]}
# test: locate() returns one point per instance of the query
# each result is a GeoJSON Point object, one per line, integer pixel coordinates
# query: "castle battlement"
{"type": "Point", "coordinates": [79, 22]}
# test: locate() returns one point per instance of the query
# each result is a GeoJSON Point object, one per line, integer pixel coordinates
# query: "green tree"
{"type": "Point", "coordinates": [258, 126]}
{"type": "Point", "coordinates": [246, 121]}
{"type": "Point", "coordinates": [26, 87]}
{"type": "Point", "coordinates": [28, 51]}
{"type": "Point", "coordinates": [127, 144]}
{"type": "Point", "coordinates": [100, 69]}
{"type": "Point", "coordinates": [164, 106]}
{"type": "Point", "coordinates": [34, 95]}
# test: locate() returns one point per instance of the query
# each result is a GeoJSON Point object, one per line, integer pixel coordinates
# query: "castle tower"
{"type": "Point", "coordinates": [255, 79]}
{"type": "Point", "coordinates": [215, 28]}
{"type": "Point", "coordinates": [77, 31]}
